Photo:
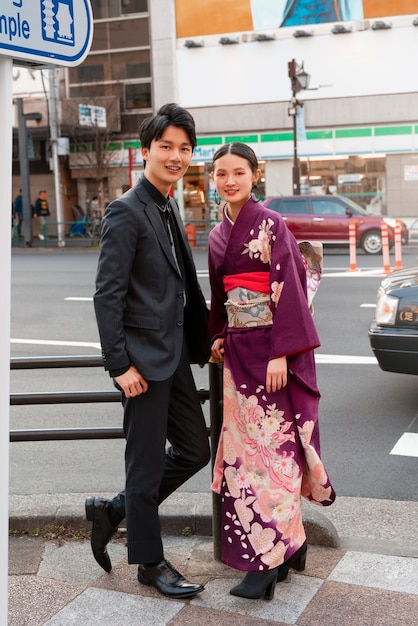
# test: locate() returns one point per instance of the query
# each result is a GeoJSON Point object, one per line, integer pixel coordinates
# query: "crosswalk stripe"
{"type": "Point", "coordinates": [407, 445]}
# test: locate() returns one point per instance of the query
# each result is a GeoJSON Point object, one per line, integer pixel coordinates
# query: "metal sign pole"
{"type": "Point", "coordinates": [42, 34]}
{"type": "Point", "coordinates": [53, 95]}
{"type": "Point", "coordinates": [6, 144]}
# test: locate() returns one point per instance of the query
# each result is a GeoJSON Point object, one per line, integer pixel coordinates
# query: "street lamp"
{"type": "Point", "coordinates": [299, 80]}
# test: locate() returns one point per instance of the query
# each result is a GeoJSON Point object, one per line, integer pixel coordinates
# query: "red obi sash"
{"type": "Point", "coordinates": [253, 281]}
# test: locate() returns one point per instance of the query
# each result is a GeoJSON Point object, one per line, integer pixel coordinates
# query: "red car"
{"type": "Point", "coordinates": [326, 219]}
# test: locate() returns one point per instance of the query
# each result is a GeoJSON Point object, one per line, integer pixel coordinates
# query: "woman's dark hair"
{"type": "Point", "coordinates": [240, 149]}
{"type": "Point", "coordinates": [168, 115]}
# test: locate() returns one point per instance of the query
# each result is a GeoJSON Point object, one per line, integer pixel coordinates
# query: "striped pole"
{"type": "Point", "coordinates": [385, 248]}
{"type": "Point", "coordinates": [352, 241]}
{"type": "Point", "coordinates": [398, 245]}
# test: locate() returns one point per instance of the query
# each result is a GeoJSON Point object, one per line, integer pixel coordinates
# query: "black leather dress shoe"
{"type": "Point", "coordinates": [97, 511]}
{"type": "Point", "coordinates": [167, 580]}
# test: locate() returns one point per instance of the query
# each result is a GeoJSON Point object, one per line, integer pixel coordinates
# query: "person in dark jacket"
{"type": "Point", "coordinates": [153, 322]}
{"type": "Point", "coordinates": [41, 211]}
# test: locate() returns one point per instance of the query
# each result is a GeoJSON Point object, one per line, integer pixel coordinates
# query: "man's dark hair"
{"type": "Point", "coordinates": [168, 115]}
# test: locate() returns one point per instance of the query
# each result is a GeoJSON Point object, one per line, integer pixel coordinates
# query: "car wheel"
{"type": "Point", "coordinates": [371, 242]}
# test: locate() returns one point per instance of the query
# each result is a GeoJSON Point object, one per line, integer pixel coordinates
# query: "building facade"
{"type": "Point", "coordinates": [227, 61]}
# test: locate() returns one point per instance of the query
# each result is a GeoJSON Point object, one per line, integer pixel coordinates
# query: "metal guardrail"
{"type": "Point", "coordinates": [214, 394]}
{"type": "Point", "coordinates": [74, 231]}
{"type": "Point", "coordinates": [89, 232]}
{"type": "Point", "coordinates": [72, 397]}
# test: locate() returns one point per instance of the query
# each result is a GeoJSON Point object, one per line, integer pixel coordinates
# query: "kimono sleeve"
{"type": "Point", "coordinates": [294, 331]}
{"type": "Point", "coordinates": [217, 315]}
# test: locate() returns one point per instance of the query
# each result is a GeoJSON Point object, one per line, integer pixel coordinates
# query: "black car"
{"type": "Point", "coordinates": [393, 333]}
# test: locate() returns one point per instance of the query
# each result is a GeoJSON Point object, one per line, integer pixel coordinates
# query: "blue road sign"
{"type": "Point", "coordinates": [46, 32]}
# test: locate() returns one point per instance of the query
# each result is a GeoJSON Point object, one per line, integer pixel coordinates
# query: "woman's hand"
{"type": "Point", "coordinates": [276, 377]}
{"type": "Point", "coordinates": [218, 348]}
{"type": "Point", "coordinates": [132, 383]}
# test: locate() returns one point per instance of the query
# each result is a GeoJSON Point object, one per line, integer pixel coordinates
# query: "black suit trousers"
{"type": "Point", "coordinates": [169, 411]}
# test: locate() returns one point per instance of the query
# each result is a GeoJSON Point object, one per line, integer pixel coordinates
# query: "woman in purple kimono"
{"type": "Point", "coordinates": [261, 324]}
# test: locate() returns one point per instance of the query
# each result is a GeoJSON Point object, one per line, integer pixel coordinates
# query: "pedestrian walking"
{"type": "Point", "coordinates": [41, 211]}
{"type": "Point", "coordinates": [18, 213]}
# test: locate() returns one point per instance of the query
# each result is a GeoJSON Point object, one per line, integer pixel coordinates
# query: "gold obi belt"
{"type": "Point", "coordinates": [246, 308]}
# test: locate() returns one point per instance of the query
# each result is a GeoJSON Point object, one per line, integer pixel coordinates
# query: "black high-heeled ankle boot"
{"type": "Point", "coordinates": [297, 561]}
{"type": "Point", "coordinates": [257, 584]}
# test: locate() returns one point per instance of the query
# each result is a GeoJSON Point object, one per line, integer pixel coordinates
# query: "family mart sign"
{"type": "Point", "coordinates": [46, 32]}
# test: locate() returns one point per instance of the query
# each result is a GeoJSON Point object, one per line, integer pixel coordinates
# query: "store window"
{"type": "Point", "coordinates": [134, 6]}
{"type": "Point", "coordinates": [100, 37]}
{"type": "Point", "coordinates": [90, 91]}
{"type": "Point", "coordinates": [361, 178]}
{"type": "Point", "coordinates": [128, 34]}
{"type": "Point", "coordinates": [90, 73]}
{"type": "Point", "coordinates": [138, 96]}
{"type": "Point", "coordinates": [92, 70]}
{"type": "Point", "coordinates": [103, 9]}
{"type": "Point", "coordinates": [135, 64]}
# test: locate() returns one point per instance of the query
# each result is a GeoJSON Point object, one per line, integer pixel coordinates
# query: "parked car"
{"type": "Point", "coordinates": [326, 219]}
{"type": "Point", "coordinates": [393, 334]}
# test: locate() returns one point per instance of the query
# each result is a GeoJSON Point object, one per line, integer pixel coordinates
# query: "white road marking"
{"type": "Point", "coordinates": [407, 445]}
{"type": "Point", "coordinates": [377, 272]}
{"type": "Point", "coordinates": [367, 306]}
{"type": "Point", "coordinates": [79, 299]}
{"type": "Point", "coordinates": [327, 359]}
{"type": "Point", "coordinates": [50, 342]}
{"type": "Point", "coordinates": [344, 359]}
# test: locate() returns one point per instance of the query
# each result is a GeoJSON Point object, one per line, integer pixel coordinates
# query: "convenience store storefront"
{"type": "Point", "coordinates": [353, 162]}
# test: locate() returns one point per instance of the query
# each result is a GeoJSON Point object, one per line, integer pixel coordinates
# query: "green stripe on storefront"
{"type": "Point", "coordinates": [242, 138]}
{"type": "Point", "coordinates": [209, 141]}
{"type": "Point", "coordinates": [319, 134]}
{"type": "Point", "coordinates": [112, 146]}
{"type": "Point", "coordinates": [132, 144]}
{"type": "Point", "coordinates": [346, 133]}
{"type": "Point", "coordinates": [276, 137]}
{"type": "Point", "coordinates": [392, 130]}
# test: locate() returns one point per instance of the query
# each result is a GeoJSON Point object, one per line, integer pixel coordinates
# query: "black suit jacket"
{"type": "Point", "coordinates": [139, 301]}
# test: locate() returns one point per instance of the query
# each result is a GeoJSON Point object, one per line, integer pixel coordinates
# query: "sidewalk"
{"type": "Point", "coordinates": [366, 573]}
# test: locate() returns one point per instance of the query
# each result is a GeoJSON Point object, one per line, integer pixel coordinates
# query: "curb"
{"type": "Point", "coordinates": [182, 514]}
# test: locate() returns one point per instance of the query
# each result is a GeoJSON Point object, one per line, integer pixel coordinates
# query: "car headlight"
{"type": "Point", "coordinates": [386, 309]}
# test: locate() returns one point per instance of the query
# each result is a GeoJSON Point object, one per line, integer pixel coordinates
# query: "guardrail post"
{"type": "Point", "coordinates": [352, 241]}
{"type": "Point", "coordinates": [216, 416]}
{"type": "Point", "coordinates": [398, 245]}
{"type": "Point", "coordinates": [385, 248]}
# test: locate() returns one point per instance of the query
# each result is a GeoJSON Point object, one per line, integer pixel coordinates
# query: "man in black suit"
{"type": "Point", "coordinates": [152, 321]}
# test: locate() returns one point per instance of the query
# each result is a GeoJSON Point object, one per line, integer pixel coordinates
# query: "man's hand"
{"type": "Point", "coordinates": [218, 348]}
{"type": "Point", "coordinates": [132, 383]}
{"type": "Point", "coordinates": [276, 374]}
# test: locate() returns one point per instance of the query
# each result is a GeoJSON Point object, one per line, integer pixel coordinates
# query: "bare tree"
{"type": "Point", "coordinates": [92, 124]}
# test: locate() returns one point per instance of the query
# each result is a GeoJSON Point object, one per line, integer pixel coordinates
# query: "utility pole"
{"type": "Point", "coordinates": [24, 168]}
{"type": "Point", "coordinates": [54, 127]}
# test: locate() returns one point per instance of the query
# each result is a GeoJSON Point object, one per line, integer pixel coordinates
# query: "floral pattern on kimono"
{"type": "Point", "coordinates": [268, 454]}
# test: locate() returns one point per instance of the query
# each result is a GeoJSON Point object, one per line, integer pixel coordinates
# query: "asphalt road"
{"type": "Point", "coordinates": [364, 411]}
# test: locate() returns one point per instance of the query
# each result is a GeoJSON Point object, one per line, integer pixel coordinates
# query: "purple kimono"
{"type": "Point", "coordinates": [269, 453]}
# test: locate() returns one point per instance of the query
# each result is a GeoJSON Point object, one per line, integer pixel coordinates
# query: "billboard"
{"type": "Point", "coordinates": [212, 17]}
